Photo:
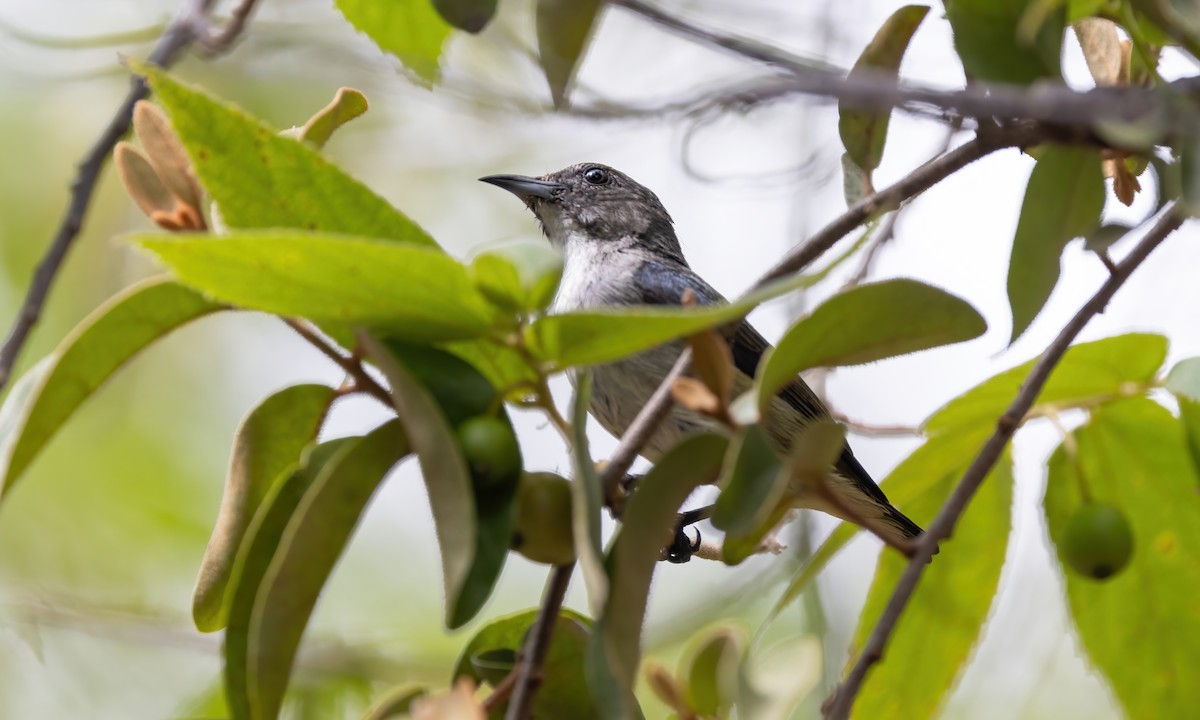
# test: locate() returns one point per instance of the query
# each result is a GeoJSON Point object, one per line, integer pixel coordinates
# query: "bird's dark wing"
{"type": "Point", "coordinates": [748, 347]}
{"type": "Point", "coordinates": [663, 283]}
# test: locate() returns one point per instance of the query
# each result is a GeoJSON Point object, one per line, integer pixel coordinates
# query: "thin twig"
{"type": "Point", "coordinates": [221, 40]}
{"type": "Point", "coordinates": [533, 655]}
{"type": "Point", "coordinates": [842, 700]}
{"type": "Point", "coordinates": [639, 431]}
{"type": "Point", "coordinates": [186, 28]}
{"type": "Point", "coordinates": [887, 233]}
{"type": "Point", "coordinates": [502, 692]}
{"type": "Point", "coordinates": [1050, 103]}
{"type": "Point", "coordinates": [869, 430]}
{"type": "Point", "coordinates": [353, 367]}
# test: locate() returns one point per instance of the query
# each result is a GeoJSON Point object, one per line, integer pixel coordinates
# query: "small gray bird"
{"type": "Point", "coordinates": [619, 248]}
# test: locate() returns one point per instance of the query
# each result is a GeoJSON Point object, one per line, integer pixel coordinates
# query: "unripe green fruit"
{"type": "Point", "coordinates": [491, 451]}
{"type": "Point", "coordinates": [542, 530]}
{"type": "Point", "coordinates": [1098, 541]}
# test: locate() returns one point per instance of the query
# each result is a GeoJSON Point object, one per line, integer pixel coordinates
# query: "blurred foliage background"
{"type": "Point", "coordinates": [99, 546]}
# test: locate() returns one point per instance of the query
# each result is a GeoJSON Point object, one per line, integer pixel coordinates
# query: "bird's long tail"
{"type": "Point", "coordinates": [858, 495]}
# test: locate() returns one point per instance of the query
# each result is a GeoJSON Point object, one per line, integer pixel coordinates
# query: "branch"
{"type": "Point", "coordinates": [188, 27]}
{"type": "Point", "coordinates": [1050, 103]}
{"type": "Point", "coordinates": [842, 700]}
{"type": "Point", "coordinates": [223, 39]}
{"type": "Point", "coordinates": [652, 414]}
{"type": "Point", "coordinates": [353, 367]}
{"type": "Point", "coordinates": [538, 645]}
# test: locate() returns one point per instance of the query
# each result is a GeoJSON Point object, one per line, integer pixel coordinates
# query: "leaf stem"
{"type": "Point", "coordinates": [537, 647]}
{"type": "Point", "coordinates": [351, 364]}
{"type": "Point", "coordinates": [1071, 447]}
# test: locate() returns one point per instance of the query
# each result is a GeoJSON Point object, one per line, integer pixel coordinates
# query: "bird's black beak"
{"type": "Point", "coordinates": [526, 187]}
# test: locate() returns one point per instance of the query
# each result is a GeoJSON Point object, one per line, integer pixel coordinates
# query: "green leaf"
{"type": "Point", "coordinates": [1088, 374]}
{"type": "Point", "coordinates": [268, 443]}
{"type": "Point", "coordinates": [587, 499]}
{"type": "Point", "coordinates": [1184, 379]}
{"type": "Point", "coordinates": [864, 132]}
{"type": "Point", "coordinates": [856, 183]}
{"type": "Point", "coordinates": [564, 691]}
{"type": "Point", "coordinates": [940, 461]}
{"type": "Point", "coordinates": [105, 340]}
{"type": "Point", "coordinates": [458, 388]}
{"type": "Point", "coordinates": [310, 546]}
{"type": "Point", "coordinates": [412, 30]}
{"type": "Point", "coordinates": [597, 336]}
{"type": "Point", "coordinates": [814, 450]}
{"type": "Point", "coordinates": [396, 703]}
{"type": "Point", "coordinates": [414, 292]}
{"type": "Point", "coordinates": [1105, 236]}
{"type": "Point", "coordinates": [461, 392]}
{"type": "Point", "coordinates": [503, 366]}
{"type": "Point", "coordinates": [603, 335]}
{"type": "Point", "coordinates": [261, 180]}
{"type": "Point", "coordinates": [944, 620]}
{"type": "Point", "coordinates": [346, 105]}
{"type": "Point", "coordinates": [563, 30]}
{"type": "Point", "coordinates": [868, 323]}
{"type": "Point", "coordinates": [518, 276]}
{"type": "Point", "coordinates": [254, 557]}
{"type": "Point", "coordinates": [469, 15]}
{"type": "Point", "coordinates": [754, 482]}
{"type": "Point", "coordinates": [712, 671]}
{"type": "Point", "coordinates": [1140, 627]}
{"type": "Point", "coordinates": [986, 39]}
{"type": "Point", "coordinates": [447, 479]}
{"type": "Point", "coordinates": [1063, 200]}
{"type": "Point", "coordinates": [1189, 414]}
{"type": "Point", "coordinates": [646, 524]}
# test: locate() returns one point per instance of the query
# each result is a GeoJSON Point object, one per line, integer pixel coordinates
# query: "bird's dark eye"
{"type": "Point", "coordinates": [596, 176]}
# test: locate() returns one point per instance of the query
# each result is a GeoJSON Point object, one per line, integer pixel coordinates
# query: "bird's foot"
{"type": "Point", "coordinates": [682, 548]}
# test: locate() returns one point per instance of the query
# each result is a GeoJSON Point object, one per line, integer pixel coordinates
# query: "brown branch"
{"type": "Point", "coordinates": [842, 700]}
{"type": "Point", "coordinates": [502, 692]}
{"type": "Point", "coordinates": [1049, 103]}
{"type": "Point", "coordinates": [221, 40]}
{"type": "Point", "coordinates": [185, 29]}
{"type": "Point", "coordinates": [635, 437]}
{"type": "Point", "coordinates": [352, 365]}
{"type": "Point", "coordinates": [537, 647]}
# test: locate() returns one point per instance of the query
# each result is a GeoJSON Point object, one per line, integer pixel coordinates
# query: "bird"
{"type": "Point", "coordinates": [620, 248]}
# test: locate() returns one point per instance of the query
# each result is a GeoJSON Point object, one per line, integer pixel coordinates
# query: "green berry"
{"type": "Point", "coordinates": [491, 451]}
{"type": "Point", "coordinates": [542, 531]}
{"type": "Point", "coordinates": [1098, 541]}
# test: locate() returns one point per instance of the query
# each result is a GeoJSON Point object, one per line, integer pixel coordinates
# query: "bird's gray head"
{"type": "Point", "coordinates": [590, 202]}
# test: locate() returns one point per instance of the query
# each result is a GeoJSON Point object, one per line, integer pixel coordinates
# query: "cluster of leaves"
{"type": "Point", "coordinates": [298, 238]}
{"type": "Point", "coordinates": [1020, 43]}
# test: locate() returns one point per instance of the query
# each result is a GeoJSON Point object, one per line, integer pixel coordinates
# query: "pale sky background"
{"type": "Point", "coordinates": [423, 151]}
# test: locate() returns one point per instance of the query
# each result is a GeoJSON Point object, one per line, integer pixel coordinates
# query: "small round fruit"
{"type": "Point", "coordinates": [491, 451]}
{"type": "Point", "coordinates": [1098, 541]}
{"type": "Point", "coordinates": [542, 530]}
